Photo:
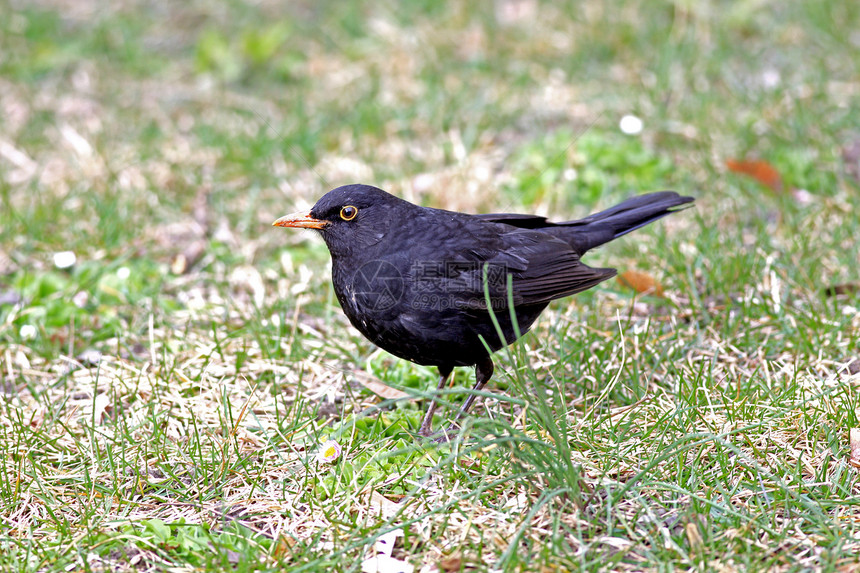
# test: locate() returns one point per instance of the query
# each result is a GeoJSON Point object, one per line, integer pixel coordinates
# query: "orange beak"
{"type": "Point", "coordinates": [301, 221]}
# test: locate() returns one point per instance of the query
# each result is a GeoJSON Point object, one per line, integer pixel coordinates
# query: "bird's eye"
{"type": "Point", "coordinates": [348, 213]}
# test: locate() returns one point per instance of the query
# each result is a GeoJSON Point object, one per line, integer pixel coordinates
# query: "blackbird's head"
{"type": "Point", "coordinates": [350, 218]}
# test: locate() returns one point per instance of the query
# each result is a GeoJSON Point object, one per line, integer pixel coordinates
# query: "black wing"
{"type": "Point", "coordinates": [544, 268]}
{"type": "Point", "coordinates": [541, 268]}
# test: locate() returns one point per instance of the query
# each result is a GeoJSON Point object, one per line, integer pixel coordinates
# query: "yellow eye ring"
{"type": "Point", "coordinates": [348, 213]}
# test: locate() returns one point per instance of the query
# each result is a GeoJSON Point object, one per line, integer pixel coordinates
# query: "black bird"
{"type": "Point", "coordinates": [428, 285]}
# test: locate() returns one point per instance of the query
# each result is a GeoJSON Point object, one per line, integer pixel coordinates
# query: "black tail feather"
{"type": "Point", "coordinates": [600, 228]}
{"type": "Point", "coordinates": [617, 221]}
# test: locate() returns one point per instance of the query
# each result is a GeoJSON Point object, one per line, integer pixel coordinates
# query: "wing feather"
{"type": "Point", "coordinates": [541, 268]}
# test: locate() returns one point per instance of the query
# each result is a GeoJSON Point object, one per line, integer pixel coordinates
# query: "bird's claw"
{"type": "Point", "coordinates": [441, 436]}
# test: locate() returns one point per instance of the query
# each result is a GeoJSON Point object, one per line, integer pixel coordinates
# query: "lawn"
{"type": "Point", "coordinates": [171, 364]}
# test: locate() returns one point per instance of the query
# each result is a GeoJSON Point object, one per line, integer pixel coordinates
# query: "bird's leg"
{"type": "Point", "coordinates": [483, 373]}
{"type": "Point", "coordinates": [426, 428]}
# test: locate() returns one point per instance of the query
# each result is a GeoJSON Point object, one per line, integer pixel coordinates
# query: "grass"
{"type": "Point", "coordinates": [164, 398]}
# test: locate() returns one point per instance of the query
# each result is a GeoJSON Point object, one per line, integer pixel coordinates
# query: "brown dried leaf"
{"type": "Point", "coordinates": [182, 262]}
{"type": "Point", "coordinates": [641, 282]}
{"type": "Point", "coordinates": [384, 546]}
{"type": "Point", "coordinates": [381, 563]}
{"type": "Point", "coordinates": [848, 565]}
{"type": "Point", "coordinates": [843, 289]}
{"type": "Point", "coordinates": [284, 546]}
{"type": "Point", "coordinates": [851, 157]}
{"type": "Point", "coordinates": [380, 389]}
{"type": "Point", "coordinates": [101, 403]}
{"type": "Point", "coordinates": [761, 171]}
{"type": "Point", "coordinates": [382, 505]}
{"type": "Point", "coordinates": [453, 562]}
{"type": "Point", "coordinates": [853, 367]}
{"type": "Point", "coordinates": [693, 536]}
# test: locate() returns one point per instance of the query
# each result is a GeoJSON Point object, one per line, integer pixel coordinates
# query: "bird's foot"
{"type": "Point", "coordinates": [443, 436]}
{"type": "Point", "coordinates": [426, 430]}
